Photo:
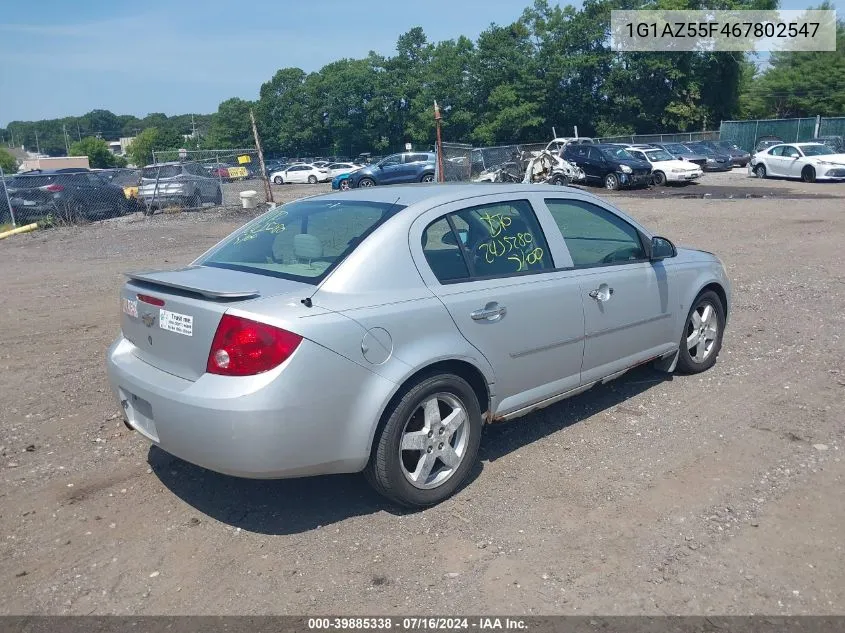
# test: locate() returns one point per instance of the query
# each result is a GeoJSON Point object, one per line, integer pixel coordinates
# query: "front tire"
{"type": "Point", "coordinates": [344, 184]}
{"type": "Point", "coordinates": [611, 182]}
{"type": "Point", "coordinates": [702, 337]}
{"type": "Point", "coordinates": [760, 171]}
{"type": "Point", "coordinates": [658, 178]}
{"type": "Point", "coordinates": [428, 443]}
{"type": "Point", "coordinates": [808, 174]}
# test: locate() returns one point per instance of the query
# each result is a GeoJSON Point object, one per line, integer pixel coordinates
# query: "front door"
{"type": "Point", "coordinates": [628, 311]}
{"type": "Point", "coordinates": [491, 267]}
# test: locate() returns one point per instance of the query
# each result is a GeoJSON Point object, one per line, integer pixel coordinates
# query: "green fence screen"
{"type": "Point", "coordinates": [746, 133]}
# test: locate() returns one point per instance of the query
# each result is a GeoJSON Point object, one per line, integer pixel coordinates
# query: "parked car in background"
{"type": "Point", "coordinates": [70, 194]}
{"type": "Point", "coordinates": [836, 143]}
{"type": "Point", "coordinates": [271, 166]}
{"type": "Point", "coordinates": [300, 174]}
{"type": "Point", "coordinates": [682, 152]}
{"type": "Point", "coordinates": [765, 142]}
{"type": "Point", "coordinates": [665, 168]}
{"type": "Point", "coordinates": [396, 169]}
{"type": "Point", "coordinates": [608, 165]}
{"type": "Point", "coordinates": [320, 164]}
{"type": "Point", "coordinates": [129, 180]}
{"type": "Point", "coordinates": [341, 182]}
{"type": "Point", "coordinates": [808, 161]}
{"type": "Point", "coordinates": [739, 157]}
{"type": "Point", "coordinates": [187, 185]}
{"type": "Point", "coordinates": [716, 160]}
{"type": "Point", "coordinates": [335, 169]}
{"type": "Point", "coordinates": [305, 326]}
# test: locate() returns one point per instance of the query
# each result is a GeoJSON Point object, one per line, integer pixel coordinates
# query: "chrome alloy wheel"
{"type": "Point", "coordinates": [702, 332]}
{"type": "Point", "coordinates": [434, 441]}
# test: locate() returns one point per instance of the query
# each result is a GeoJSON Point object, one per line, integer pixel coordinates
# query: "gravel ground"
{"type": "Point", "coordinates": [712, 494]}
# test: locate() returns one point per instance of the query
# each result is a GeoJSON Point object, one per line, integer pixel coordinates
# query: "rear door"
{"type": "Point", "coordinates": [493, 268]}
{"type": "Point", "coordinates": [628, 301]}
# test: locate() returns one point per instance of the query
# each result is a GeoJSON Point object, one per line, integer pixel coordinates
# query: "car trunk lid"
{"type": "Point", "coordinates": [171, 316]}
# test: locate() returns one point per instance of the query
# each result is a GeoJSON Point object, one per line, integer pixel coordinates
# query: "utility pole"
{"type": "Point", "coordinates": [193, 129]}
{"type": "Point", "coordinates": [37, 146]}
{"type": "Point", "coordinates": [78, 133]}
{"type": "Point", "coordinates": [268, 190]}
{"type": "Point", "coordinates": [67, 145]}
{"type": "Point", "coordinates": [437, 117]}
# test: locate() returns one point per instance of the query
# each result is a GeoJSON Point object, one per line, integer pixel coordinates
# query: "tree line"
{"type": "Point", "coordinates": [552, 67]}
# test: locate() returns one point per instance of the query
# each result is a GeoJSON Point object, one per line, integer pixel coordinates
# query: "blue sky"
{"type": "Point", "coordinates": [64, 58]}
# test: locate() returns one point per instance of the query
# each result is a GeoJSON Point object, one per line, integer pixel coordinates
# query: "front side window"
{"type": "Point", "coordinates": [301, 240]}
{"type": "Point", "coordinates": [595, 236]}
{"type": "Point", "coordinates": [391, 160]}
{"type": "Point", "coordinates": [777, 150]}
{"type": "Point", "coordinates": [789, 151]}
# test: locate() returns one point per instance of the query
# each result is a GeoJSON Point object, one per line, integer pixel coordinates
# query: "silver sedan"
{"type": "Point", "coordinates": [379, 329]}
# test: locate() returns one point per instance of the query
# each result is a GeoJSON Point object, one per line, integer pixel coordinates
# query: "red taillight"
{"type": "Point", "coordinates": [242, 347]}
{"type": "Point", "coordinates": [54, 188]}
{"type": "Point", "coordinates": [153, 301]}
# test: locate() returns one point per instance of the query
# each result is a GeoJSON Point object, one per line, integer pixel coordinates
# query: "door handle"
{"type": "Point", "coordinates": [602, 293]}
{"type": "Point", "coordinates": [490, 312]}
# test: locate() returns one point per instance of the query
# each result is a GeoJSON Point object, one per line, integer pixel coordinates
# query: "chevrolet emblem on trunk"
{"type": "Point", "coordinates": [148, 318]}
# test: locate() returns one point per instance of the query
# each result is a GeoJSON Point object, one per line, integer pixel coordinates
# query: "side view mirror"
{"type": "Point", "coordinates": [661, 248]}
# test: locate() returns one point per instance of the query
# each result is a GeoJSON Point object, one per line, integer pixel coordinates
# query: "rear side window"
{"type": "Point", "coordinates": [494, 240]}
{"type": "Point", "coordinates": [595, 236]}
{"type": "Point", "coordinates": [164, 171]}
{"type": "Point", "coordinates": [30, 182]}
{"type": "Point", "coordinates": [302, 240]}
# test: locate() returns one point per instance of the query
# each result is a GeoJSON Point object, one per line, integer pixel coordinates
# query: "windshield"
{"type": "Point", "coordinates": [617, 153]}
{"type": "Point", "coordinates": [702, 149]}
{"type": "Point", "coordinates": [677, 148]}
{"type": "Point", "coordinates": [816, 150]}
{"type": "Point", "coordinates": [658, 155]}
{"type": "Point", "coordinates": [301, 240]}
{"type": "Point", "coordinates": [164, 171]}
{"type": "Point", "coordinates": [726, 145]}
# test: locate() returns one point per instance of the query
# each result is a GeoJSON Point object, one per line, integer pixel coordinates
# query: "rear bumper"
{"type": "Point", "coordinates": [274, 425]}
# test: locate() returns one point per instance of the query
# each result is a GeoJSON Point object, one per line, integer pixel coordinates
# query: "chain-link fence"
{"type": "Point", "coordinates": [679, 137]}
{"type": "Point", "coordinates": [78, 195]}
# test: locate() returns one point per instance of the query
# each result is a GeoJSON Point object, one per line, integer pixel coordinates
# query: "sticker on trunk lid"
{"type": "Point", "coordinates": [129, 306]}
{"type": "Point", "coordinates": [175, 322]}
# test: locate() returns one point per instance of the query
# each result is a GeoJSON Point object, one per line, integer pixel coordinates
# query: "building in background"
{"type": "Point", "coordinates": [60, 162]}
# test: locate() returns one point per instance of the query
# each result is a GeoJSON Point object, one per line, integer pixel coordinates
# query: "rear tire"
{"type": "Point", "coordinates": [421, 456]}
{"type": "Point", "coordinates": [427, 178]}
{"type": "Point", "coordinates": [760, 171]}
{"type": "Point", "coordinates": [808, 174]}
{"type": "Point", "coordinates": [367, 182]}
{"type": "Point", "coordinates": [560, 180]}
{"type": "Point", "coordinates": [701, 339]}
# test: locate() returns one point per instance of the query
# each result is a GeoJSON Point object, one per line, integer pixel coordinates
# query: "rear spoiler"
{"type": "Point", "coordinates": [160, 278]}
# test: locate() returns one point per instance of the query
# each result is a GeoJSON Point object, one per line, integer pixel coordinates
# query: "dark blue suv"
{"type": "Point", "coordinates": [396, 169]}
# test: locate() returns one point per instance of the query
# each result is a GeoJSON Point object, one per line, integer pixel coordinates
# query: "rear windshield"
{"type": "Point", "coordinates": [165, 171]}
{"type": "Point", "coordinates": [301, 240]}
{"type": "Point", "coordinates": [30, 182]}
{"type": "Point", "coordinates": [129, 177]}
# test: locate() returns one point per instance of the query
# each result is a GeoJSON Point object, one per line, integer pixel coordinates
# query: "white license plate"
{"type": "Point", "coordinates": [130, 307]}
{"type": "Point", "coordinates": [29, 203]}
{"type": "Point", "coordinates": [175, 322]}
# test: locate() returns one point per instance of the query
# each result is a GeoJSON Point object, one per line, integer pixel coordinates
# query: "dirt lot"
{"type": "Point", "coordinates": [719, 493]}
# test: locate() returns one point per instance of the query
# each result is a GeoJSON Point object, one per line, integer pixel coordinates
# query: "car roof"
{"type": "Point", "coordinates": [54, 172]}
{"type": "Point", "coordinates": [442, 193]}
{"type": "Point", "coordinates": [167, 164]}
{"type": "Point", "coordinates": [803, 144]}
